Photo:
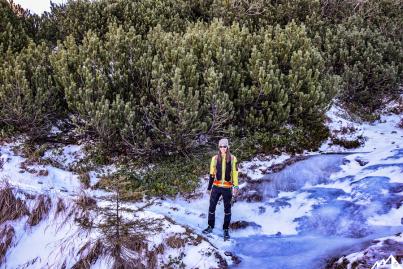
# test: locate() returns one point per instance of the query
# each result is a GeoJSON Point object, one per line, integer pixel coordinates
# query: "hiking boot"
{"type": "Point", "coordinates": [208, 230]}
{"type": "Point", "coordinates": [226, 234]}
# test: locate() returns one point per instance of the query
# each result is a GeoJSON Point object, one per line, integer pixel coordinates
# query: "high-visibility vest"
{"type": "Point", "coordinates": [225, 173]}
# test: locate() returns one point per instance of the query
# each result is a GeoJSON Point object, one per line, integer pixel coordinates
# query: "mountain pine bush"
{"type": "Point", "coordinates": [370, 65]}
{"type": "Point", "coordinates": [30, 98]}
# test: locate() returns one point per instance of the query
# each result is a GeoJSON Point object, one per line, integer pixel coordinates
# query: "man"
{"type": "Point", "coordinates": [223, 181]}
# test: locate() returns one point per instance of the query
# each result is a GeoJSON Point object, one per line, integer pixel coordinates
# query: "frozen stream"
{"type": "Point", "coordinates": [338, 223]}
{"type": "Point", "coordinates": [326, 205]}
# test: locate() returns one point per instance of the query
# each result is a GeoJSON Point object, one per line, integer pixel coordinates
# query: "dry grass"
{"type": "Point", "coordinates": [43, 172]}
{"type": "Point", "coordinates": [125, 242]}
{"type": "Point", "coordinates": [135, 243]}
{"type": "Point", "coordinates": [6, 237]}
{"type": "Point", "coordinates": [92, 254]}
{"type": "Point", "coordinates": [222, 263]}
{"type": "Point", "coordinates": [152, 259]}
{"type": "Point", "coordinates": [85, 202]}
{"type": "Point", "coordinates": [123, 263]}
{"type": "Point", "coordinates": [60, 207]}
{"type": "Point", "coordinates": [84, 179]}
{"type": "Point", "coordinates": [11, 208]}
{"type": "Point", "coordinates": [80, 212]}
{"type": "Point", "coordinates": [160, 249]}
{"type": "Point", "coordinates": [42, 208]}
{"type": "Point", "coordinates": [176, 241]}
{"type": "Point", "coordinates": [24, 166]}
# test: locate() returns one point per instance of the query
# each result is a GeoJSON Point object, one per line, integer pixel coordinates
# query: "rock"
{"type": "Point", "coordinates": [396, 188]}
{"type": "Point", "coordinates": [390, 242]}
{"type": "Point", "coordinates": [234, 258]}
{"type": "Point", "coordinates": [241, 224]}
{"type": "Point", "coordinates": [275, 168]}
{"type": "Point", "coordinates": [361, 161]}
{"type": "Point", "coordinates": [345, 161]}
{"type": "Point", "coordinates": [377, 250]}
{"type": "Point", "coordinates": [255, 197]}
{"type": "Point", "coordinates": [249, 193]}
{"type": "Point", "coordinates": [222, 263]}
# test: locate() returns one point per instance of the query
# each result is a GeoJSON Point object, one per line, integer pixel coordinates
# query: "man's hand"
{"type": "Point", "coordinates": [208, 192]}
{"type": "Point", "coordinates": [235, 191]}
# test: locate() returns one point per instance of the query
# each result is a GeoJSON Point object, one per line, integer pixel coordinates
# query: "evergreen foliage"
{"type": "Point", "coordinates": [13, 27]}
{"type": "Point", "coordinates": [160, 80]}
{"type": "Point", "coordinates": [370, 65]}
{"type": "Point", "coordinates": [100, 81]}
{"type": "Point", "coordinates": [76, 17]}
{"type": "Point", "coordinates": [30, 98]}
{"type": "Point", "coordinates": [165, 92]}
{"type": "Point", "coordinates": [289, 84]}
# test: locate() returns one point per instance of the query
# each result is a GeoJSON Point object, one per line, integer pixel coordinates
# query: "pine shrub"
{"type": "Point", "coordinates": [370, 65]}
{"type": "Point", "coordinates": [30, 98]}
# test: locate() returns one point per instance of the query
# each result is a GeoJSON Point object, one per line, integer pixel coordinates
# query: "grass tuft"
{"type": "Point", "coordinates": [41, 210]}
{"type": "Point", "coordinates": [89, 254]}
{"type": "Point", "coordinates": [11, 208]}
{"type": "Point", "coordinates": [6, 237]}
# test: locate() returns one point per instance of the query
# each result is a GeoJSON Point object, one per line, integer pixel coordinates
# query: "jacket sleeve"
{"type": "Point", "coordinates": [235, 172]}
{"type": "Point", "coordinates": [212, 172]}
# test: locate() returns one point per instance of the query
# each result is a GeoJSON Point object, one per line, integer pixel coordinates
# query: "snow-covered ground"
{"type": "Point", "coordinates": [59, 240]}
{"type": "Point", "coordinates": [316, 208]}
{"type": "Point", "coordinates": [323, 206]}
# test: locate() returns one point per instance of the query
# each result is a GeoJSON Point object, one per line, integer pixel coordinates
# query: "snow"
{"type": "Point", "coordinates": [57, 180]}
{"type": "Point", "coordinates": [378, 135]}
{"type": "Point", "coordinates": [254, 167]}
{"type": "Point", "coordinates": [195, 257]}
{"type": "Point", "coordinates": [306, 208]}
{"type": "Point", "coordinates": [57, 239]}
{"type": "Point", "coordinates": [310, 210]}
{"type": "Point", "coordinates": [355, 257]}
{"type": "Point", "coordinates": [41, 244]}
{"type": "Point", "coordinates": [66, 155]}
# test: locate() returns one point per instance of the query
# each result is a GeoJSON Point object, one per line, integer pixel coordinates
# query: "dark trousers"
{"type": "Point", "coordinates": [226, 193]}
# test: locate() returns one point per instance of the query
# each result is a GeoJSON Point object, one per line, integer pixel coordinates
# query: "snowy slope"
{"type": "Point", "coordinates": [322, 206]}
{"type": "Point", "coordinates": [59, 240]}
